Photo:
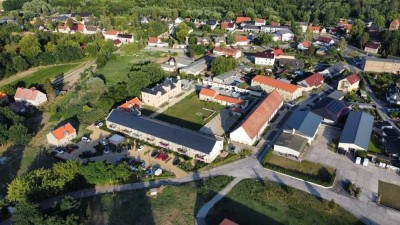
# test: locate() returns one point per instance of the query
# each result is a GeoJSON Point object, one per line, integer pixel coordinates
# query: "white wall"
{"type": "Point", "coordinates": [348, 146]}
{"type": "Point", "coordinates": [285, 150]}
{"type": "Point", "coordinates": [239, 135]}
{"type": "Point", "coordinates": [264, 61]}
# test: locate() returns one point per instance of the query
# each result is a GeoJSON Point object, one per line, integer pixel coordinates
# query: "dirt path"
{"type": "Point", "coordinates": [72, 77]}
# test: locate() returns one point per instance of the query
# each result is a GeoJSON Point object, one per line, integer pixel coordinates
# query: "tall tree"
{"type": "Point", "coordinates": [342, 44]}
{"type": "Point", "coordinates": [30, 46]}
{"type": "Point", "coordinates": [49, 89]}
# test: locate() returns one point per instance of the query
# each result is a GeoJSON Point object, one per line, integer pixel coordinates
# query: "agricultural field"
{"type": "Point", "coordinates": [389, 194]}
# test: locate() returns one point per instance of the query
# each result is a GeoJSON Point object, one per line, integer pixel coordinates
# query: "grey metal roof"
{"type": "Point", "coordinates": [199, 65]}
{"type": "Point", "coordinates": [304, 122]}
{"type": "Point", "coordinates": [330, 108]}
{"type": "Point", "coordinates": [358, 129]}
{"type": "Point", "coordinates": [227, 75]}
{"type": "Point", "coordinates": [291, 141]}
{"type": "Point", "coordinates": [336, 95]}
{"type": "Point", "coordinates": [171, 133]}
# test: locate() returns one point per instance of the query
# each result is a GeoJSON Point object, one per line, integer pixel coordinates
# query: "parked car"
{"type": "Point", "coordinates": [134, 167]}
{"type": "Point", "coordinates": [142, 164]}
{"type": "Point", "coordinates": [106, 149]}
{"type": "Point", "coordinates": [154, 169]}
{"type": "Point", "coordinates": [148, 172]}
{"type": "Point", "coordinates": [365, 162]}
{"type": "Point", "coordinates": [140, 148]}
{"type": "Point", "coordinates": [85, 139]}
{"type": "Point", "coordinates": [59, 150]}
{"type": "Point", "coordinates": [104, 142]}
{"type": "Point", "coordinates": [124, 148]}
{"type": "Point", "coordinates": [87, 154]}
{"type": "Point", "coordinates": [129, 147]}
{"type": "Point", "coordinates": [98, 124]}
{"type": "Point", "coordinates": [154, 154]}
{"type": "Point", "coordinates": [358, 160]}
{"type": "Point", "coordinates": [162, 156]}
{"type": "Point", "coordinates": [176, 162]}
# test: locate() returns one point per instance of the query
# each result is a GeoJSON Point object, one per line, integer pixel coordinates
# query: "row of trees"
{"type": "Point", "coordinates": [12, 127]}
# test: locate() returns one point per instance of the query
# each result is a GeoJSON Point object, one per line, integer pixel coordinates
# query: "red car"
{"type": "Point", "coordinates": [243, 79]}
{"type": "Point", "coordinates": [162, 156]}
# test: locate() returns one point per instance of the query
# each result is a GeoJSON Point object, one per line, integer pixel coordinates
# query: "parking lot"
{"type": "Point", "coordinates": [365, 177]}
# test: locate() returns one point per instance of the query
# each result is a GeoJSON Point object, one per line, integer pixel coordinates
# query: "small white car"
{"type": "Point", "coordinates": [365, 162]}
{"type": "Point", "coordinates": [358, 160]}
{"type": "Point", "coordinates": [140, 148]}
{"type": "Point", "coordinates": [85, 139]}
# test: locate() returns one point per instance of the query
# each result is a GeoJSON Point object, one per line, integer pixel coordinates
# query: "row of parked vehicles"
{"type": "Point", "coordinates": [139, 165]}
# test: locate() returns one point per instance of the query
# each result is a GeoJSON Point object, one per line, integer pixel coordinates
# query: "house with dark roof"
{"type": "Point", "coordinates": [203, 40]}
{"type": "Point", "coordinates": [289, 144]}
{"type": "Point", "coordinates": [161, 93]}
{"type": "Point", "coordinates": [336, 95]}
{"type": "Point", "coordinates": [314, 81]}
{"type": "Point", "coordinates": [372, 47]}
{"type": "Point", "coordinates": [251, 128]}
{"type": "Point", "coordinates": [349, 83]}
{"type": "Point", "coordinates": [62, 135]}
{"type": "Point", "coordinates": [393, 94]}
{"type": "Point", "coordinates": [198, 66]}
{"type": "Point", "coordinates": [356, 132]}
{"type": "Point", "coordinates": [266, 58]}
{"type": "Point", "coordinates": [391, 141]}
{"type": "Point", "coordinates": [324, 41]}
{"type": "Point", "coordinates": [304, 124]}
{"type": "Point", "coordinates": [183, 141]}
{"type": "Point", "coordinates": [333, 70]}
{"type": "Point", "coordinates": [330, 110]}
{"type": "Point", "coordinates": [293, 64]}
{"type": "Point", "coordinates": [288, 91]}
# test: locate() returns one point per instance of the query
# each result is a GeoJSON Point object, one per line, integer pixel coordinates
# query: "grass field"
{"type": "Point", "coordinates": [253, 202]}
{"type": "Point", "coordinates": [117, 70]}
{"type": "Point", "coordinates": [389, 194]}
{"type": "Point", "coordinates": [189, 112]}
{"type": "Point", "coordinates": [374, 144]}
{"type": "Point", "coordinates": [306, 170]}
{"type": "Point", "coordinates": [40, 76]}
{"type": "Point", "coordinates": [173, 205]}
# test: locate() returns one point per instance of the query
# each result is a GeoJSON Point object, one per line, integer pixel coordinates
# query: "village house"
{"type": "Point", "coordinates": [356, 132]}
{"type": "Point", "coordinates": [111, 34]}
{"type": "Point", "coordinates": [125, 38]}
{"type": "Point", "coordinates": [62, 135]}
{"type": "Point", "coordinates": [206, 94]}
{"type": "Point", "coordinates": [304, 45]}
{"type": "Point", "coordinates": [3, 97]}
{"type": "Point", "coordinates": [372, 47]}
{"type": "Point", "coordinates": [183, 141]}
{"type": "Point", "coordinates": [284, 35]}
{"type": "Point", "coordinates": [212, 24]}
{"type": "Point", "coordinates": [314, 81]}
{"type": "Point", "coordinates": [156, 42]}
{"type": "Point", "coordinates": [314, 29]}
{"type": "Point", "coordinates": [330, 109]}
{"type": "Point", "coordinates": [394, 25]}
{"type": "Point", "coordinates": [197, 66]}
{"type": "Point", "coordinates": [333, 70]}
{"type": "Point", "coordinates": [393, 94]}
{"type": "Point", "coordinates": [272, 29]}
{"type": "Point", "coordinates": [225, 51]}
{"type": "Point", "coordinates": [242, 19]}
{"type": "Point", "coordinates": [218, 40]}
{"type": "Point", "coordinates": [288, 91]}
{"type": "Point", "coordinates": [131, 106]}
{"type": "Point", "coordinates": [161, 93]}
{"type": "Point", "coordinates": [348, 84]}
{"type": "Point", "coordinates": [259, 22]}
{"type": "Point", "coordinates": [229, 26]}
{"type": "Point", "coordinates": [203, 40]}
{"type": "Point", "coordinates": [390, 139]}
{"type": "Point", "coordinates": [290, 145]}
{"type": "Point", "coordinates": [251, 128]}
{"type": "Point", "coordinates": [324, 41]}
{"type": "Point", "coordinates": [292, 64]}
{"type": "Point", "coordinates": [266, 58]}
{"type": "Point", "coordinates": [30, 96]}
{"type": "Point", "coordinates": [380, 65]}
{"type": "Point", "coordinates": [241, 40]}
{"type": "Point", "coordinates": [304, 124]}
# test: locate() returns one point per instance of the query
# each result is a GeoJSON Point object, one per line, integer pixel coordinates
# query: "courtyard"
{"type": "Point", "coordinates": [191, 112]}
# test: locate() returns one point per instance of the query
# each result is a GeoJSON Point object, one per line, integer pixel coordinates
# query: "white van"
{"type": "Point", "coordinates": [358, 160]}
{"type": "Point", "coordinates": [365, 162]}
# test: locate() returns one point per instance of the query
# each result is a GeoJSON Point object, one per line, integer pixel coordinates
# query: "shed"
{"type": "Point", "coordinates": [116, 139]}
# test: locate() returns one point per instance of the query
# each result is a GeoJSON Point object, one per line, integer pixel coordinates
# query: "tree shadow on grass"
{"type": "Point", "coordinates": [43, 160]}
{"type": "Point", "coordinates": [9, 170]}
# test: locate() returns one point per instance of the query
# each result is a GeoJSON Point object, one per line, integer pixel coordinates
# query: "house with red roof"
{"type": "Point", "coordinates": [207, 94]}
{"type": "Point", "coordinates": [30, 96]}
{"type": "Point", "coordinates": [241, 19]}
{"type": "Point", "coordinates": [225, 51]}
{"type": "Point", "coordinates": [314, 81]}
{"type": "Point", "coordinates": [259, 22]}
{"type": "Point", "coordinates": [304, 45]}
{"type": "Point", "coordinates": [228, 222]}
{"type": "Point", "coordinates": [314, 29]}
{"type": "Point", "coordinates": [324, 41]}
{"type": "Point", "coordinates": [62, 135]}
{"type": "Point", "coordinates": [3, 97]}
{"type": "Point", "coordinates": [241, 40]}
{"type": "Point", "coordinates": [372, 47]}
{"type": "Point", "coordinates": [349, 83]}
{"type": "Point", "coordinates": [156, 42]}
{"type": "Point", "coordinates": [394, 25]}
{"type": "Point", "coordinates": [131, 105]}
{"type": "Point", "coordinates": [288, 91]}
{"type": "Point", "coordinates": [252, 127]}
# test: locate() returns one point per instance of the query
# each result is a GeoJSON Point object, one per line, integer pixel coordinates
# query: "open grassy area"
{"type": "Point", "coordinates": [389, 194]}
{"type": "Point", "coordinates": [374, 144]}
{"type": "Point", "coordinates": [117, 70]}
{"type": "Point", "coordinates": [305, 170]}
{"type": "Point", "coordinates": [253, 202]}
{"type": "Point", "coordinates": [173, 204]}
{"type": "Point", "coordinates": [190, 112]}
{"type": "Point", "coordinates": [40, 76]}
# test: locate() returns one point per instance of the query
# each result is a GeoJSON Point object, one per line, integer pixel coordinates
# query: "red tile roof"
{"type": "Point", "coordinates": [226, 51]}
{"type": "Point", "coordinates": [353, 78]}
{"type": "Point", "coordinates": [208, 92]}
{"type": "Point", "coordinates": [116, 42]}
{"type": "Point", "coordinates": [243, 19]}
{"type": "Point", "coordinates": [306, 44]}
{"type": "Point", "coordinates": [275, 23]}
{"type": "Point", "coordinates": [261, 114]}
{"type": "Point", "coordinates": [224, 25]}
{"type": "Point", "coordinates": [241, 38]}
{"type": "Point", "coordinates": [314, 28]}
{"type": "Point", "coordinates": [259, 20]}
{"type": "Point", "coordinates": [278, 52]}
{"type": "Point", "coordinates": [229, 99]}
{"type": "Point", "coordinates": [227, 222]}
{"type": "Point", "coordinates": [26, 94]}
{"type": "Point", "coordinates": [315, 80]}
{"type": "Point", "coordinates": [78, 27]}
{"type": "Point", "coordinates": [61, 132]}
{"type": "Point", "coordinates": [373, 44]}
{"type": "Point", "coordinates": [153, 40]}
{"type": "Point", "coordinates": [324, 39]}
{"type": "Point", "coordinates": [275, 83]}
{"type": "Point", "coordinates": [131, 103]}
{"type": "Point", "coordinates": [231, 25]}
{"type": "Point", "coordinates": [3, 96]}
{"type": "Point", "coordinates": [265, 55]}
{"type": "Point", "coordinates": [111, 32]}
